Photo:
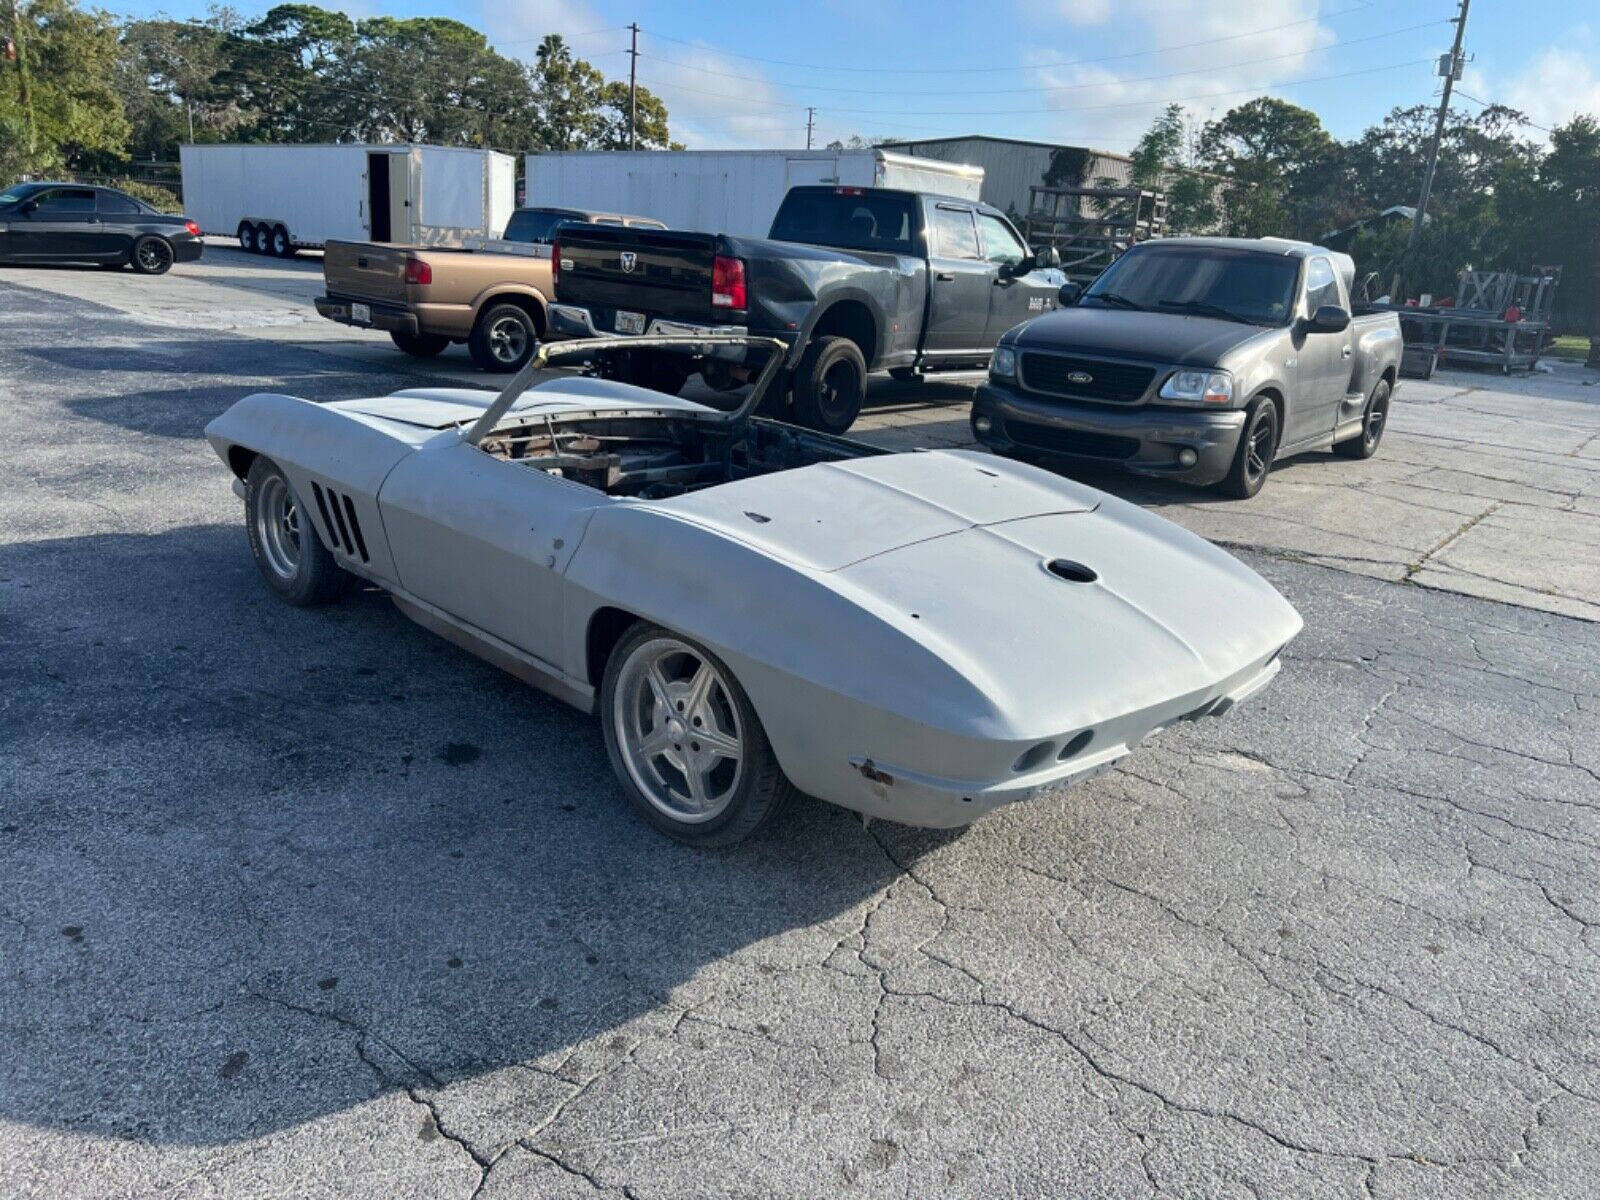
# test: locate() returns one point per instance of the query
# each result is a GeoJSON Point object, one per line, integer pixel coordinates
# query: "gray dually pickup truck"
{"type": "Point", "coordinates": [1199, 359]}
{"type": "Point", "coordinates": [851, 279]}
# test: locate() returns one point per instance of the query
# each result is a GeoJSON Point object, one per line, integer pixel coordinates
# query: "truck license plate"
{"type": "Point", "coordinates": [630, 322]}
{"type": "Point", "coordinates": [361, 314]}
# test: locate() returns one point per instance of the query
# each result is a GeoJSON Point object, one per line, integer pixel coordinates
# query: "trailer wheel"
{"type": "Point", "coordinates": [830, 384]}
{"type": "Point", "coordinates": [263, 238]}
{"type": "Point", "coordinates": [247, 237]}
{"type": "Point", "coordinates": [503, 339]}
{"type": "Point", "coordinates": [282, 247]}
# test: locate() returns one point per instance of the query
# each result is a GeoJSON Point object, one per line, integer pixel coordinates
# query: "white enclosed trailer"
{"type": "Point", "coordinates": [277, 198]}
{"type": "Point", "coordinates": [725, 191]}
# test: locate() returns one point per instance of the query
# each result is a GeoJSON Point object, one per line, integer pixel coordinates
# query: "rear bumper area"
{"type": "Point", "coordinates": [387, 317]}
{"type": "Point", "coordinates": [1148, 441]}
{"type": "Point", "coordinates": [188, 250]}
{"type": "Point", "coordinates": [578, 322]}
{"type": "Point", "coordinates": [912, 798]}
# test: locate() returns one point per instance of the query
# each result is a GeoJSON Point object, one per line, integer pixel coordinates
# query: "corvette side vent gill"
{"type": "Point", "coordinates": [344, 536]}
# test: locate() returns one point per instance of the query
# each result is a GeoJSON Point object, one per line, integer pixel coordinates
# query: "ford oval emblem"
{"type": "Point", "coordinates": [1080, 378]}
{"type": "Point", "coordinates": [629, 260]}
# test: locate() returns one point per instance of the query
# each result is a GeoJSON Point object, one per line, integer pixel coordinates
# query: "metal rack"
{"type": "Point", "coordinates": [1476, 330]}
{"type": "Point", "coordinates": [1091, 226]}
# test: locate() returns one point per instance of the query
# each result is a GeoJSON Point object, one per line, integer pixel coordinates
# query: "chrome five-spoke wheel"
{"type": "Point", "coordinates": [685, 740]}
{"type": "Point", "coordinates": [679, 730]}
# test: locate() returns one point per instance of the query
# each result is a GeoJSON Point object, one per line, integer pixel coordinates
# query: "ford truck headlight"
{"type": "Point", "coordinates": [1004, 363]}
{"type": "Point", "coordinates": [1198, 387]}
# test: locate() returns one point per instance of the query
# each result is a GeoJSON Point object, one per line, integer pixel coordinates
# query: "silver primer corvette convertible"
{"type": "Point", "coordinates": [753, 608]}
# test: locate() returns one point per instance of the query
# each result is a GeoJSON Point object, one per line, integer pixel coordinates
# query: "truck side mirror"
{"type": "Point", "coordinates": [1329, 318]}
{"type": "Point", "coordinates": [1069, 293]}
{"type": "Point", "coordinates": [1045, 257]}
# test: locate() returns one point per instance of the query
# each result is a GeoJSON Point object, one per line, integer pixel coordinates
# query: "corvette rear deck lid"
{"type": "Point", "coordinates": [831, 515]}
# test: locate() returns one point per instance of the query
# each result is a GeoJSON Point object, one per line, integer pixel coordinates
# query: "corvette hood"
{"type": "Point", "coordinates": [828, 516]}
{"type": "Point", "coordinates": [1137, 610]}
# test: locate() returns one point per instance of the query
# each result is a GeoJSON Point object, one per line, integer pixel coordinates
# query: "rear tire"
{"type": "Point", "coordinates": [830, 385]}
{"type": "Point", "coordinates": [1252, 461]}
{"type": "Point", "coordinates": [419, 345]}
{"type": "Point", "coordinates": [503, 339]}
{"type": "Point", "coordinates": [151, 255]}
{"type": "Point", "coordinates": [294, 563]}
{"type": "Point", "coordinates": [729, 798]}
{"type": "Point", "coordinates": [1374, 419]}
{"type": "Point", "coordinates": [281, 246]}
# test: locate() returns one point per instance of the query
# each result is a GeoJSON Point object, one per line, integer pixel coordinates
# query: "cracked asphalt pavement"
{"type": "Point", "coordinates": [309, 903]}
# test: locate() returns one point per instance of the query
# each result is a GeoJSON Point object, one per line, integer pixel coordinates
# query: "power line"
{"type": "Point", "coordinates": [1516, 116]}
{"type": "Point", "coordinates": [1066, 87]}
{"type": "Point", "coordinates": [1076, 108]}
{"type": "Point", "coordinates": [1360, 6]}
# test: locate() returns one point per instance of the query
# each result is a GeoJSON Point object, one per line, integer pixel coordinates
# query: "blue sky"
{"type": "Point", "coordinates": [1087, 72]}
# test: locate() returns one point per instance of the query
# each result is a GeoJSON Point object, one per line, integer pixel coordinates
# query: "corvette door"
{"type": "Point", "coordinates": [486, 540]}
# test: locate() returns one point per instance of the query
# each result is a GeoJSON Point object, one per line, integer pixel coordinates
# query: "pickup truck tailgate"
{"type": "Point", "coordinates": [662, 273]}
{"type": "Point", "coordinates": [366, 271]}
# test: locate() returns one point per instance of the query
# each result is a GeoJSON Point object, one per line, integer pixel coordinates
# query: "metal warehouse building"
{"type": "Point", "coordinates": [1011, 167]}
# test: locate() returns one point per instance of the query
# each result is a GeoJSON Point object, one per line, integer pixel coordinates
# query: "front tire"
{"type": "Point", "coordinates": [830, 385]}
{"type": "Point", "coordinates": [1374, 419]}
{"type": "Point", "coordinates": [152, 256]}
{"type": "Point", "coordinates": [419, 345]}
{"type": "Point", "coordinates": [1252, 461]}
{"type": "Point", "coordinates": [503, 339]}
{"type": "Point", "coordinates": [289, 553]}
{"type": "Point", "coordinates": [685, 742]}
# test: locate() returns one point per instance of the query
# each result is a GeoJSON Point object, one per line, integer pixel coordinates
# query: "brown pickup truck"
{"type": "Point", "coordinates": [427, 297]}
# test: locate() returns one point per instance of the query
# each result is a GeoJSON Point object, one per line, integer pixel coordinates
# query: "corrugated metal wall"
{"type": "Point", "coordinates": [1011, 168]}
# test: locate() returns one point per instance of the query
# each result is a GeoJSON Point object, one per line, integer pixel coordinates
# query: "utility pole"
{"type": "Point", "coordinates": [1450, 69]}
{"type": "Point", "coordinates": [24, 87]}
{"type": "Point", "coordinates": [633, 89]}
{"type": "Point", "coordinates": [811, 117]}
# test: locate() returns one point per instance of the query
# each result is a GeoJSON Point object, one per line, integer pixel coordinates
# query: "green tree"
{"type": "Point", "coordinates": [76, 111]}
{"type": "Point", "coordinates": [1284, 171]}
{"type": "Point", "coordinates": [1161, 160]}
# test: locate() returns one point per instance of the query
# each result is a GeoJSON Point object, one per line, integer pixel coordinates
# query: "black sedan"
{"type": "Point", "coordinates": [79, 223]}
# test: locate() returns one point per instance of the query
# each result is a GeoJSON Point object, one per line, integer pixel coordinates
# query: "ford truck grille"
{"type": "Point", "coordinates": [1085, 378]}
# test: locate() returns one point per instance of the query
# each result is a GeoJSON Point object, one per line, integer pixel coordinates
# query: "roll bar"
{"type": "Point", "coordinates": [547, 354]}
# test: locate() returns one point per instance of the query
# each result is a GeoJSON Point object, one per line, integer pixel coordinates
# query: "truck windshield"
{"type": "Point", "coordinates": [847, 218]}
{"type": "Point", "coordinates": [1240, 284]}
{"type": "Point", "coordinates": [537, 224]}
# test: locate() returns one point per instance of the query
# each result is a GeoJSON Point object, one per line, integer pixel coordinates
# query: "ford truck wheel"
{"type": "Point", "coordinates": [1373, 420]}
{"type": "Point", "coordinates": [830, 384]}
{"type": "Point", "coordinates": [1253, 459]}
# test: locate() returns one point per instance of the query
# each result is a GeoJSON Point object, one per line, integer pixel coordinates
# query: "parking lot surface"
{"type": "Point", "coordinates": [309, 903]}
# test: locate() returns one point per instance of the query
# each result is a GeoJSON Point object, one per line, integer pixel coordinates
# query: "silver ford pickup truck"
{"type": "Point", "coordinates": [1199, 359]}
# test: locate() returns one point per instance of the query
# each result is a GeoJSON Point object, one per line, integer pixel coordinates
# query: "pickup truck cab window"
{"type": "Point", "coordinates": [847, 219]}
{"type": "Point", "coordinates": [954, 234]}
{"type": "Point", "coordinates": [1000, 243]}
{"type": "Point", "coordinates": [1322, 286]}
{"type": "Point", "coordinates": [1250, 286]}
{"type": "Point", "coordinates": [537, 224]}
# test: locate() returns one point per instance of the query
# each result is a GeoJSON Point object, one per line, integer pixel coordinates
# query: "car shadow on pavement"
{"type": "Point", "coordinates": [262, 864]}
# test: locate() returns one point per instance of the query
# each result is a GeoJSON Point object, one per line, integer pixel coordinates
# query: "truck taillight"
{"type": "Point", "coordinates": [418, 271]}
{"type": "Point", "coordinates": [193, 228]}
{"type": "Point", "coordinates": [849, 191]}
{"type": "Point", "coordinates": [727, 283]}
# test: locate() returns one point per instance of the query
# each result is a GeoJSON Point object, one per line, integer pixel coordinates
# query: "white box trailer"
{"type": "Point", "coordinates": [278, 198]}
{"type": "Point", "coordinates": [725, 191]}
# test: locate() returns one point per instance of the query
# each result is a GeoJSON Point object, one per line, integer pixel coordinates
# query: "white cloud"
{"type": "Point", "coordinates": [1110, 104]}
{"type": "Point", "coordinates": [712, 101]}
{"type": "Point", "coordinates": [1555, 87]}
